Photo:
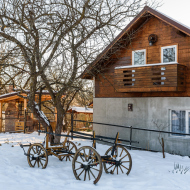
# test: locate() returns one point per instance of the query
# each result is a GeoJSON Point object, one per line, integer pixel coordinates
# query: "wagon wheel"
{"type": "Point", "coordinates": [120, 162]}
{"type": "Point", "coordinates": [70, 147]}
{"type": "Point", "coordinates": [37, 156]}
{"type": "Point", "coordinates": [87, 164]}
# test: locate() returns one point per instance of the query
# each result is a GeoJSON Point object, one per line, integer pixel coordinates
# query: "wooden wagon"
{"type": "Point", "coordinates": [87, 164]}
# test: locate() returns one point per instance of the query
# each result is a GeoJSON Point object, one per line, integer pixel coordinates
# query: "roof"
{"type": "Point", "coordinates": [134, 25]}
{"type": "Point", "coordinates": [81, 110]}
{"type": "Point", "coordinates": [14, 95]}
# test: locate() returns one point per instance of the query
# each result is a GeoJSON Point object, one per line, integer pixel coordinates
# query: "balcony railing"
{"type": "Point", "coordinates": [149, 78]}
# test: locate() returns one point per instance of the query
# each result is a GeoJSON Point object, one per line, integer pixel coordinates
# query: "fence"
{"type": "Point", "coordinates": [132, 129]}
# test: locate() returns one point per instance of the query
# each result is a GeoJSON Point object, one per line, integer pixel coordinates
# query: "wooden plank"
{"type": "Point", "coordinates": [143, 76]}
{"type": "Point", "coordinates": [144, 85]}
{"type": "Point", "coordinates": [151, 67]}
{"type": "Point", "coordinates": [159, 77]}
{"type": "Point", "coordinates": [156, 89]}
{"type": "Point", "coordinates": [19, 125]}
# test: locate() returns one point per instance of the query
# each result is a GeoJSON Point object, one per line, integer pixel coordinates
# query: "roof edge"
{"type": "Point", "coordinates": [146, 9]}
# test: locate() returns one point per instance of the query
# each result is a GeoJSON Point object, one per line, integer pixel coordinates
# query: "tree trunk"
{"type": "Point", "coordinates": [59, 127]}
{"type": "Point", "coordinates": [32, 106]}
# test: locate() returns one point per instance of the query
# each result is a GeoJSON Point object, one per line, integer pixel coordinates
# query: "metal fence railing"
{"type": "Point", "coordinates": [132, 129]}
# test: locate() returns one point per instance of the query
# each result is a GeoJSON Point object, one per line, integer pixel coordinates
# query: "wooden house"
{"type": "Point", "coordinates": [84, 114]}
{"type": "Point", "coordinates": [142, 79]}
{"type": "Point", "coordinates": [12, 112]}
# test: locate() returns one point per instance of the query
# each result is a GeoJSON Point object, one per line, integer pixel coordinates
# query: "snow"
{"type": "Point", "coordinates": [18, 91]}
{"type": "Point", "coordinates": [149, 171]}
{"type": "Point", "coordinates": [147, 65]}
{"type": "Point", "coordinates": [42, 115]}
{"type": "Point", "coordinates": [82, 109]}
{"type": "Point", "coordinates": [8, 94]}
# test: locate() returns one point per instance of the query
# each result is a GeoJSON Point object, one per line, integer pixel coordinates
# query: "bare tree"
{"type": "Point", "coordinates": [50, 42]}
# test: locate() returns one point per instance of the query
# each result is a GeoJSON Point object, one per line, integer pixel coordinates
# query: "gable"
{"type": "Point", "coordinates": [146, 15]}
{"type": "Point", "coordinates": [167, 35]}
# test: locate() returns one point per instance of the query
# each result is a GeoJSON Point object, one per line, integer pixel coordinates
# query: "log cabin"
{"type": "Point", "coordinates": [142, 79]}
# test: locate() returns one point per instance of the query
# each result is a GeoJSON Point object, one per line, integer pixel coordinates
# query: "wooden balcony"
{"type": "Point", "coordinates": [150, 78]}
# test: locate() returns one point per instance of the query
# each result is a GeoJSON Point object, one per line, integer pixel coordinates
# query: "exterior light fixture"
{"type": "Point", "coordinates": [130, 107]}
{"type": "Point", "coordinates": [152, 39]}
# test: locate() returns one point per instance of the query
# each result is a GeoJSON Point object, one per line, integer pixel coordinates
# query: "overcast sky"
{"type": "Point", "coordinates": [177, 9]}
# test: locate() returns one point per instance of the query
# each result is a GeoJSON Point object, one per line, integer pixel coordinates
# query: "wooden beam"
{"type": "Point", "coordinates": [25, 104]}
{"type": "Point", "coordinates": [56, 116]}
{"type": "Point", "coordinates": [32, 116]}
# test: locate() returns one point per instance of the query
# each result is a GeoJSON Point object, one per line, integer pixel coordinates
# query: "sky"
{"type": "Point", "coordinates": [177, 9]}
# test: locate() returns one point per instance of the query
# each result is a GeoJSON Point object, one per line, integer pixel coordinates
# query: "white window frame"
{"type": "Point", "coordinates": [136, 51]}
{"type": "Point", "coordinates": [176, 51]}
{"type": "Point", "coordinates": [187, 130]}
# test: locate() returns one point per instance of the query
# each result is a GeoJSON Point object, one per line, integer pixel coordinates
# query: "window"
{"type": "Point", "coordinates": [139, 57]}
{"type": "Point", "coordinates": [169, 54]}
{"type": "Point", "coordinates": [180, 121]}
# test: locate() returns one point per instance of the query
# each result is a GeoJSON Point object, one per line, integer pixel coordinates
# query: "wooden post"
{"type": "Point", "coordinates": [32, 116]}
{"type": "Point", "coordinates": [56, 116]}
{"type": "Point", "coordinates": [163, 148]}
{"type": "Point", "coordinates": [40, 100]}
{"type": "Point", "coordinates": [94, 141]}
{"type": "Point", "coordinates": [1, 104]}
{"type": "Point", "coordinates": [130, 136]}
{"type": "Point", "coordinates": [72, 125]}
{"type": "Point", "coordinates": [25, 115]}
{"type": "Point", "coordinates": [25, 104]}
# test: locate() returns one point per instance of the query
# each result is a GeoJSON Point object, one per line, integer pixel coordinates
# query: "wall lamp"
{"type": "Point", "coordinates": [152, 39]}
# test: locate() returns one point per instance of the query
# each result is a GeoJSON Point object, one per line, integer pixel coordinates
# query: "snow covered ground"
{"type": "Point", "coordinates": [149, 171]}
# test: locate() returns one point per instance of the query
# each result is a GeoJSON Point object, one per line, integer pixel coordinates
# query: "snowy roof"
{"type": "Point", "coordinates": [81, 109]}
{"type": "Point", "coordinates": [8, 94]}
{"type": "Point", "coordinates": [14, 93]}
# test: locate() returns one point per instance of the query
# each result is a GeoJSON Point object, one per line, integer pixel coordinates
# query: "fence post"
{"type": "Point", "coordinates": [131, 136]}
{"type": "Point", "coordinates": [72, 125]}
{"type": "Point", "coordinates": [25, 120]}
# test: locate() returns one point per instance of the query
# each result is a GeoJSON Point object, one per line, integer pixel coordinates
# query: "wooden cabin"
{"type": "Point", "coordinates": [142, 79]}
{"type": "Point", "coordinates": [12, 112]}
{"type": "Point", "coordinates": [84, 114]}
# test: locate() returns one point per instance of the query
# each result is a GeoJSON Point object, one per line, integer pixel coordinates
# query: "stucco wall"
{"type": "Point", "coordinates": [145, 111]}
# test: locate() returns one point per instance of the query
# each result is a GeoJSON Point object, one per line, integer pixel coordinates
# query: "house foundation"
{"type": "Point", "coordinates": [149, 113]}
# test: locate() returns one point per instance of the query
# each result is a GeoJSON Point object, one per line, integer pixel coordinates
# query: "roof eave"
{"type": "Point", "coordinates": [175, 24]}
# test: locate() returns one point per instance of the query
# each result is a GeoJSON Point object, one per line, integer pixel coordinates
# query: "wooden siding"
{"type": "Point", "coordinates": [167, 35]}
{"type": "Point", "coordinates": [151, 78]}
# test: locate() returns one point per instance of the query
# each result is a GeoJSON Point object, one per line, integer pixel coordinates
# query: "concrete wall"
{"type": "Point", "coordinates": [145, 111]}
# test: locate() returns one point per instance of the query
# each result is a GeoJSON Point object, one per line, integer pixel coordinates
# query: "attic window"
{"type": "Point", "coordinates": [139, 57]}
{"type": "Point", "coordinates": [169, 54]}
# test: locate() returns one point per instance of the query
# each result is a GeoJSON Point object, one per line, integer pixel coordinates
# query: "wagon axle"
{"type": "Point", "coordinates": [114, 162]}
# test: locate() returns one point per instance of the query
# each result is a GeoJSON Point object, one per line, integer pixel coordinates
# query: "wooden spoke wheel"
{"type": "Point", "coordinates": [37, 156]}
{"type": "Point", "coordinates": [87, 164]}
{"type": "Point", "coordinates": [70, 147]}
{"type": "Point", "coordinates": [120, 162]}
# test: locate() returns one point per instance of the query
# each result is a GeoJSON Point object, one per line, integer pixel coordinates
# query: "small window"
{"type": "Point", "coordinates": [139, 57]}
{"type": "Point", "coordinates": [169, 54]}
{"type": "Point", "coordinates": [180, 122]}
